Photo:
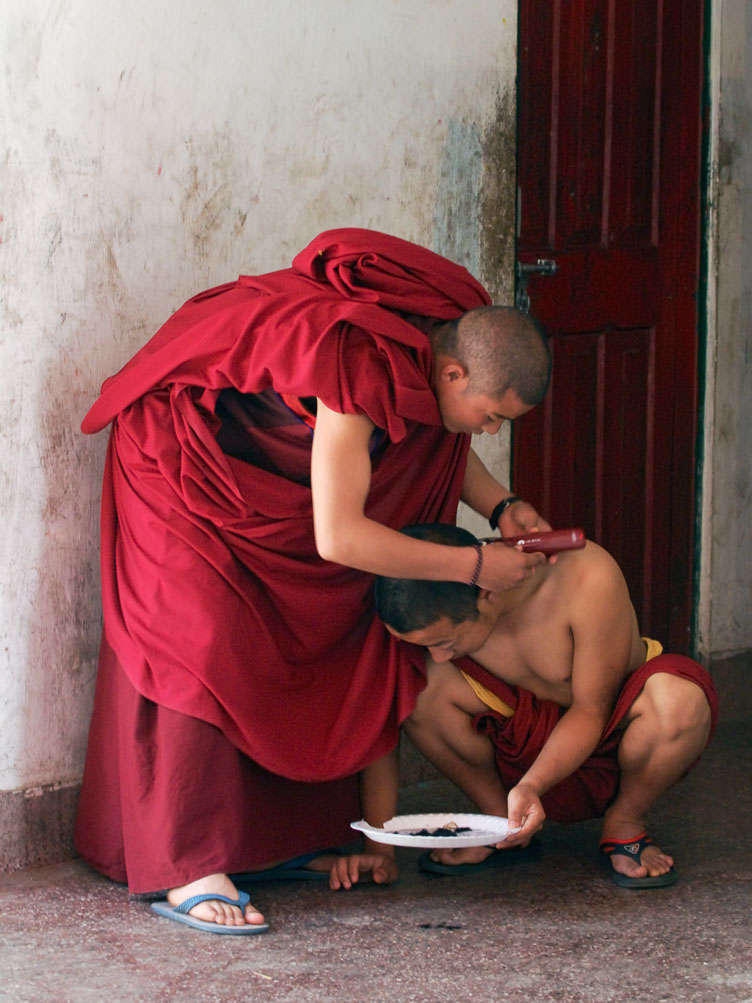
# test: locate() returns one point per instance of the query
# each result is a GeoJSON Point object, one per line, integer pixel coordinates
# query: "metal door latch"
{"type": "Point", "coordinates": [543, 266]}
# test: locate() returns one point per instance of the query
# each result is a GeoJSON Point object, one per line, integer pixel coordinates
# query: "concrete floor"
{"type": "Point", "coordinates": [551, 929]}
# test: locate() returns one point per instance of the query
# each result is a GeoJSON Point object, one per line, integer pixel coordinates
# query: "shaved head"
{"type": "Point", "coordinates": [501, 348]}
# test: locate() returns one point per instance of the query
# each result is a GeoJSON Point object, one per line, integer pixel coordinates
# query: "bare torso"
{"type": "Point", "coordinates": [532, 644]}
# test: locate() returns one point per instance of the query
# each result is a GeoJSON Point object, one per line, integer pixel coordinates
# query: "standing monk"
{"type": "Point", "coordinates": [267, 444]}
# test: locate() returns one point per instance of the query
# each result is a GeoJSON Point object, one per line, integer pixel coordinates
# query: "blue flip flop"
{"type": "Point", "coordinates": [290, 870]}
{"type": "Point", "coordinates": [180, 914]}
{"type": "Point", "coordinates": [633, 848]}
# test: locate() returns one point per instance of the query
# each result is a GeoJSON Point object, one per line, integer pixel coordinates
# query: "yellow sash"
{"type": "Point", "coordinates": [489, 699]}
{"type": "Point", "coordinates": [652, 648]}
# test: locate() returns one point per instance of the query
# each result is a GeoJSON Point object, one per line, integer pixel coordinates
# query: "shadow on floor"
{"type": "Point", "coordinates": [552, 929]}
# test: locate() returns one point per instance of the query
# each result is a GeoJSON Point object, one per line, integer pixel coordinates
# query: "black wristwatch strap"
{"type": "Point", "coordinates": [501, 509]}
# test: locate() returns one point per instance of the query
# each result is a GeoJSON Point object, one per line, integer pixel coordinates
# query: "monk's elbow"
{"type": "Point", "coordinates": [332, 546]}
{"type": "Point", "coordinates": [326, 551]}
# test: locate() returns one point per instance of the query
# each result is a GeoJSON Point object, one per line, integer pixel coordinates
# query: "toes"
{"type": "Point", "coordinates": [629, 869]}
{"type": "Point", "coordinates": [224, 914]}
{"type": "Point", "coordinates": [656, 862]}
{"type": "Point", "coordinates": [233, 916]}
{"type": "Point", "coordinates": [227, 915]}
{"type": "Point", "coordinates": [656, 868]}
{"type": "Point", "coordinates": [253, 916]}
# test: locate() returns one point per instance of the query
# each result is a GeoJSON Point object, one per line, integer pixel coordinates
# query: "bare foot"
{"type": "Point", "coordinates": [653, 861]}
{"type": "Point", "coordinates": [323, 862]}
{"type": "Point", "coordinates": [212, 910]}
{"type": "Point", "coordinates": [463, 855]}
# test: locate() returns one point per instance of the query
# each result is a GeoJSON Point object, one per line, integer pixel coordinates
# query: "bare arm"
{"type": "Point", "coordinates": [482, 492]}
{"type": "Point", "coordinates": [379, 787]}
{"type": "Point", "coordinates": [341, 479]}
{"type": "Point", "coordinates": [601, 621]}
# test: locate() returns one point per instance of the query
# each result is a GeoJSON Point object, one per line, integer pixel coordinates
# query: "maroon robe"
{"type": "Point", "coordinates": [243, 680]}
{"type": "Point", "coordinates": [518, 740]}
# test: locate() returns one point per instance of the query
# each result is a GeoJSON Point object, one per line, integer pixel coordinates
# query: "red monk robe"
{"type": "Point", "coordinates": [243, 681]}
{"type": "Point", "coordinates": [518, 740]}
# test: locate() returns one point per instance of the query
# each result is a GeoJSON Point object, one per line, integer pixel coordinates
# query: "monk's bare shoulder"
{"type": "Point", "coordinates": [589, 571]}
{"type": "Point", "coordinates": [599, 609]}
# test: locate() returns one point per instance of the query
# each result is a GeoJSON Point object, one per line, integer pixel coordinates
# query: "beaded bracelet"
{"type": "Point", "coordinates": [478, 563]}
{"type": "Point", "coordinates": [501, 509]}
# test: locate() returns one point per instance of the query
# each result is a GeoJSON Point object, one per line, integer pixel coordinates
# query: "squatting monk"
{"type": "Point", "coordinates": [542, 701]}
{"type": "Point", "coordinates": [265, 448]}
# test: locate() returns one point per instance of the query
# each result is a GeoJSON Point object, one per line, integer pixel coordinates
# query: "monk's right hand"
{"type": "Point", "coordinates": [525, 814]}
{"type": "Point", "coordinates": [507, 567]}
{"type": "Point", "coordinates": [347, 871]}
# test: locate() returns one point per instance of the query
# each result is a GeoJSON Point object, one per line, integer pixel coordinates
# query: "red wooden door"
{"type": "Point", "coordinates": [609, 151]}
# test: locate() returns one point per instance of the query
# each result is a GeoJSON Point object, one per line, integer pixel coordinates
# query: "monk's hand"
{"type": "Point", "coordinates": [506, 568]}
{"type": "Point", "coordinates": [521, 519]}
{"type": "Point", "coordinates": [524, 812]}
{"type": "Point", "coordinates": [347, 871]}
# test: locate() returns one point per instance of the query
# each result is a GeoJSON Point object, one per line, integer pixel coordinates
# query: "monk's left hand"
{"type": "Point", "coordinates": [347, 871]}
{"type": "Point", "coordinates": [521, 519]}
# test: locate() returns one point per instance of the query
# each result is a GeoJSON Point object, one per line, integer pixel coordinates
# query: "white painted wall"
{"type": "Point", "coordinates": [725, 608]}
{"type": "Point", "coordinates": [155, 148]}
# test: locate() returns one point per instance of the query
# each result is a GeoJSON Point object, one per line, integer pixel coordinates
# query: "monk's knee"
{"type": "Point", "coordinates": [421, 712]}
{"type": "Point", "coordinates": [681, 708]}
{"type": "Point", "coordinates": [430, 703]}
{"type": "Point", "coordinates": [443, 702]}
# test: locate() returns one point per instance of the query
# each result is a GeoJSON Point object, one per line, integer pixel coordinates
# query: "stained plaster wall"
{"type": "Point", "coordinates": [725, 583]}
{"type": "Point", "coordinates": [153, 149]}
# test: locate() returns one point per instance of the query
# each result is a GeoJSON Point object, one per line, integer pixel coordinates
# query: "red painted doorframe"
{"type": "Point", "coordinates": [609, 169]}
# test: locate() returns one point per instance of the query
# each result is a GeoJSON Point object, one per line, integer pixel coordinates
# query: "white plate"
{"type": "Point", "coordinates": [484, 830]}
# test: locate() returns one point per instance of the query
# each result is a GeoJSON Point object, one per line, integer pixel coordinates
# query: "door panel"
{"type": "Point", "coordinates": [609, 138]}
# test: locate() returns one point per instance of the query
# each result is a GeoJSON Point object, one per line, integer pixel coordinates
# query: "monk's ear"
{"type": "Point", "coordinates": [452, 371]}
{"type": "Point", "coordinates": [488, 603]}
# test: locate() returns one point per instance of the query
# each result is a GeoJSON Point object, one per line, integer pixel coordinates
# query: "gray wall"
{"type": "Point", "coordinates": [153, 149]}
{"type": "Point", "coordinates": [725, 603]}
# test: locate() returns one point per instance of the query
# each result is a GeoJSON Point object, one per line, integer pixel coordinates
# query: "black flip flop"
{"type": "Point", "coordinates": [633, 848]}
